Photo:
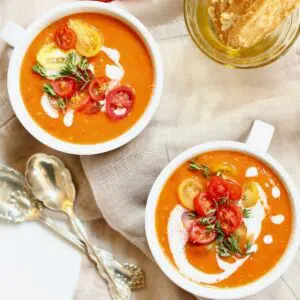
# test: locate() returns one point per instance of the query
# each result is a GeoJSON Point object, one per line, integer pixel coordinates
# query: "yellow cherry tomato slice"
{"type": "Point", "coordinates": [241, 232]}
{"type": "Point", "coordinates": [250, 194]}
{"type": "Point", "coordinates": [187, 191]}
{"type": "Point", "coordinates": [225, 168]}
{"type": "Point", "coordinates": [89, 39]}
{"type": "Point", "coordinates": [51, 57]}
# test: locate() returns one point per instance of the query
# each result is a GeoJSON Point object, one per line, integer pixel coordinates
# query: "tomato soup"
{"type": "Point", "coordinates": [224, 219]}
{"type": "Point", "coordinates": [87, 78]}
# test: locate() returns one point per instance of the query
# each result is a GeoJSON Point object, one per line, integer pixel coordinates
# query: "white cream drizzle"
{"type": "Point", "coordinates": [114, 72]}
{"type": "Point", "coordinates": [91, 67]}
{"type": "Point", "coordinates": [251, 172]}
{"type": "Point", "coordinates": [178, 237]}
{"type": "Point", "coordinates": [268, 239]}
{"type": "Point", "coordinates": [69, 117]}
{"type": "Point", "coordinates": [275, 192]}
{"type": "Point", "coordinates": [48, 108]}
{"type": "Point", "coordinates": [277, 219]}
{"type": "Point", "coordinates": [253, 248]}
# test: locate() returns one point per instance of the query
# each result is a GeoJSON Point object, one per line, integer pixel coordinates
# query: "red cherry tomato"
{"type": "Point", "coordinates": [188, 219]}
{"type": "Point", "coordinates": [234, 190]}
{"type": "Point", "coordinates": [64, 87]}
{"type": "Point", "coordinates": [119, 102]}
{"type": "Point", "coordinates": [65, 38]}
{"type": "Point", "coordinates": [217, 188]}
{"type": "Point", "coordinates": [78, 101]}
{"type": "Point", "coordinates": [90, 108]}
{"type": "Point", "coordinates": [203, 204]}
{"type": "Point", "coordinates": [98, 87]}
{"type": "Point", "coordinates": [230, 217]}
{"type": "Point", "coordinates": [198, 235]}
{"type": "Point", "coordinates": [105, 0]}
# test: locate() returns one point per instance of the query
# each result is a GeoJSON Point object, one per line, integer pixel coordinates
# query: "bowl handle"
{"type": "Point", "coordinates": [260, 136]}
{"type": "Point", "coordinates": [12, 33]}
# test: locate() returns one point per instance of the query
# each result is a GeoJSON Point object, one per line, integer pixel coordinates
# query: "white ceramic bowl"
{"type": "Point", "coordinates": [21, 39]}
{"type": "Point", "coordinates": [256, 145]}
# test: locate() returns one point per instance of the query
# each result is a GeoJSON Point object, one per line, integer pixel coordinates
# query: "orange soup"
{"type": "Point", "coordinates": [87, 78]}
{"type": "Point", "coordinates": [224, 219]}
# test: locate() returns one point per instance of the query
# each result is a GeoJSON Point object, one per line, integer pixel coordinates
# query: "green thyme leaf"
{"type": "Point", "coordinates": [48, 89]}
{"type": "Point", "coordinates": [248, 247]}
{"type": "Point", "coordinates": [223, 201]}
{"type": "Point", "coordinates": [39, 69]}
{"type": "Point", "coordinates": [196, 167]}
{"type": "Point", "coordinates": [207, 220]}
{"type": "Point", "coordinates": [228, 245]}
{"type": "Point", "coordinates": [76, 70]}
{"type": "Point", "coordinates": [83, 64]}
{"type": "Point", "coordinates": [244, 198]}
{"type": "Point", "coordinates": [247, 213]}
{"type": "Point", "coordinates": [61, 103]}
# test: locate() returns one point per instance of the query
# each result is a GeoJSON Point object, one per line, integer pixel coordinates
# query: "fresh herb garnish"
{"type": "Point", "coordinates": [247, 213]}
{"type": "Point", "coordinates": [223, 201]}
{"type": "Point", "coordinates": [248, 247]}
{"type": "Point", "coordinates": [207, 220]}
{"type": "Point", "coordinates": [83, 64]}
{"type": "Point", "coordinates": [48, 89]}
{"type": "Point", "coordinates": [227, 246]}
{"type": "Point", "coordinates": [196, 167]}
{"type": "Point", "coordinates": [39, 69]}
{"type": "Point", "coordinates": [76, 70]}
{"type": "Point", "coordinates": [59, 101]}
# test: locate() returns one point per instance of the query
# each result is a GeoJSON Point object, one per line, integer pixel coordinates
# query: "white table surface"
{"type": "Point", "coordinates": [35, 263]}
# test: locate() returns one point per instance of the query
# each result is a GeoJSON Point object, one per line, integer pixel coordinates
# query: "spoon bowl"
{"type": "Point", "coordinates": [50, 181]}
{"type": "Point", "coordinates": [16, 200]}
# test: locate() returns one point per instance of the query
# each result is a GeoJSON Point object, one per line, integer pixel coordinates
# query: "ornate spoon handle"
{"type": "Point", "coordinates": [117, 291]}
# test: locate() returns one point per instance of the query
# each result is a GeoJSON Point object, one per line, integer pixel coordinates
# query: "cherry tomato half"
{"type": "Point", "coordinates": [230, 217]}
{"type": "Point", "coordinates": [64, 87]}
{"type": "Point", "coordinates": [98, 87]}
{"type": "Point", "coordinates": [234, 190]}
{"type": "Point", "coordinates": [78, 101]}
{"type": "Point", "coordinates": [203, 204]}
{"type": "Point", "coordinates": [198, 235]}
{"type": "Point", "coordinates": [119, 102]}
{"type": "Point", "coordinates": [90, 108]}
{"type": "Point", "coordinates": [217, 188]}
{"type": "Point", "coordinates": [188, 219]}
{"type": "Point", "coordinates": [65, 38]}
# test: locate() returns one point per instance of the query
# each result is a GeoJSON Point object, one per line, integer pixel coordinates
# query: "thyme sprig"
{"type": "Point", "coordinates": [196, 167]}
{"type": "Point", "coordinates": [59, 101]}
{"type": "Point", "coordinates": [247, 213]}
{"type": "Point", "coordinates": [248, 247]}
{"type": "Point", "coordinates": [39, 69]}
{"type": "Point", "coordinates": [48, 89]}
{"type": "Point", "coordinates": [77, 70]}
{"type": "Point", "coordinates": [207, 220]}
{"type": "Point", "coordinates": [227, 246]}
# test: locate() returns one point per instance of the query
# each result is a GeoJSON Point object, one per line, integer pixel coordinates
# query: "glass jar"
{"type": "Point", "coordinates": [265, 52]}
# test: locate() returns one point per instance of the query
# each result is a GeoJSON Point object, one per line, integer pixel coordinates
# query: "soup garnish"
{"type": "Point", "coordinates": [217, 219]}
{"type": "Point", "coordinates": [74, 85]}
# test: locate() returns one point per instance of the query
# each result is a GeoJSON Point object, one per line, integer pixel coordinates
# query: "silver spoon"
{"type": "Point", "coordinates": [17, 204]}
{"type": "Point", "coordinates": [51, 183]}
